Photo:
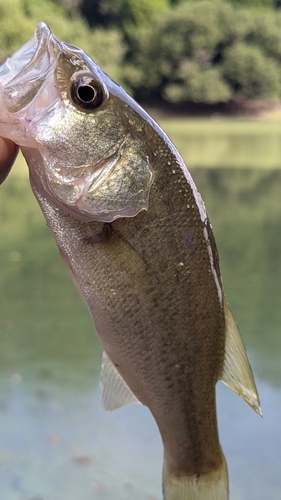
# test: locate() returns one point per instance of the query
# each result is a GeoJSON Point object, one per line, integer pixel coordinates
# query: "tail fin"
{"type": "Point", "coordinates": [213, 486]}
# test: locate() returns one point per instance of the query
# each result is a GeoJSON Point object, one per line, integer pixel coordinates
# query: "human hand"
{"type": "Point", "coordinates": [8, 153]}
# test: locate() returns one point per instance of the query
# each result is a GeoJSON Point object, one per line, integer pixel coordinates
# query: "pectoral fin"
{"type": "Point", "coordinates": [114, 390]}
{"type": "Point", "coordinates": [237, 373]}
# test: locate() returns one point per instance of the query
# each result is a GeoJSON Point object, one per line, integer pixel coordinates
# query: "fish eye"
{"type": "Point", "coordinates": [87, 93]}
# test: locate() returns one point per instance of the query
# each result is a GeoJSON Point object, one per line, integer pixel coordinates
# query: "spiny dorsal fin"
{"type": "Point", "coordinates": [114, 390]}
{"type": "Point", "coordinates": [237, 373]}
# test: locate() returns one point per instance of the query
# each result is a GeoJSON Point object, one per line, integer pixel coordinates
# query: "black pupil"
{"type": "Point", "coordinates": [86, 93]}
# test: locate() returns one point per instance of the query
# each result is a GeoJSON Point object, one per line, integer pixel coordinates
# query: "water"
{"type": "Point", "coordinates": [56, 442]}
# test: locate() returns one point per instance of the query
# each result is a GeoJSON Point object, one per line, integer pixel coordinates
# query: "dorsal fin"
{"type": "Point", "coordinates": [237, 373]}
{"type": "Point", "coordinates": [114, 390]}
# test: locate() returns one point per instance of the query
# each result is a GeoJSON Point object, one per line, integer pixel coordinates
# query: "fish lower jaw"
{"type": "Point", "coordinates": [9, 130]}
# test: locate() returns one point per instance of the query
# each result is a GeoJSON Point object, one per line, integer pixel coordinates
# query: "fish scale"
{"type": "Point", "coordinates": [147, 329]}
{"type": "Point", "coordinates": [134, 234]}
{"type": "Point", "coordinates": [192, 445]}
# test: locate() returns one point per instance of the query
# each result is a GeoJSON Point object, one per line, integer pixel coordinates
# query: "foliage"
{"type": "Point", "coordinates": [177, 52]}
{"type": "Point", "coordinates": [201, 86]}
{"type": "Point", "coordinates": [250, 72]}
{"type": "Point", "coordinates": [18, 20]}
{"type": "Point", "coordinates": [206, 51]}
{"type": "Point", "coordinates": [265, 32]}
{"type": "Point", "coordinates": [255, 3]}
{"type": "Point", "coordinates": [121, 13]}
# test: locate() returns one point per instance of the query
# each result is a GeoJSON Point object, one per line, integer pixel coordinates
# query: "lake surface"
{"type": "Point", "coordinates": [56, 442]}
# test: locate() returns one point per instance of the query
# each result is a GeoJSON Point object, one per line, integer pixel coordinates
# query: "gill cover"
{"type": "Point", "coordinates": [117, 186]}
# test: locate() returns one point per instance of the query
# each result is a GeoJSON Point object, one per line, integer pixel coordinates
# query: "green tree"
{"type": "Point", "coordinates": [201, 86]}
{"type": "Point", "coordinates": [265, 32]}
{"type": "Point", "coordinates": [172, 56]}
{"type": "Point", "coordinates": [251, 73]}
{"type": "Point", "coordinates": [18, 20]}
{"type": "Point", "coordinates": [119, 13]}
{"type": "Point", "coordinates": [255, 3]}
{"type": "Point", "coordinates": [206, 51]}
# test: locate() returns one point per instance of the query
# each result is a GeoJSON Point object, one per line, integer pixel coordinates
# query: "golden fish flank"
{"type": "Point", "coordinates": [135, 236]}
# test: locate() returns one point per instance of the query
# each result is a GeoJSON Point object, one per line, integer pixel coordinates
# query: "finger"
{"type": "Point", "coordinates": [8, 153]}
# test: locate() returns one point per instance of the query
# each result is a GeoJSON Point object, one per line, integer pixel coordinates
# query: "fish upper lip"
{"type": "Point", "coordinates": [26, 63]}
{"type": "Point", "coordinates": [24, 75]}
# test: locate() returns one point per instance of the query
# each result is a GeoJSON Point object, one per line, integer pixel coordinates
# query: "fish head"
{"type": "Point", "coordinates": [83, 137]}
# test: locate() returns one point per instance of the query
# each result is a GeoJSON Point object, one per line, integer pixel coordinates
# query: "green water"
{"type": "Point", "coordinates": [221, 143]}
{"type": "Point", "coordinates": [56, 442]}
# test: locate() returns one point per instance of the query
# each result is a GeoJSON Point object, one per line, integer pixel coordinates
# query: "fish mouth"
{"type": "Point", "coordinates": [23, 74]}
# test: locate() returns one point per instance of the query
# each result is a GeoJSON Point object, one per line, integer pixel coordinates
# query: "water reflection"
{"type": "Point", "coordinates": [226, 143]}
{"type": "Point", "coordinates": [56, 443]}
{"type": "Point", "coordinates": [245, 209]}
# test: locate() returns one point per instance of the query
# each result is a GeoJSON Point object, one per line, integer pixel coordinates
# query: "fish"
{"type": "Point", "coordinates": [135, 236]}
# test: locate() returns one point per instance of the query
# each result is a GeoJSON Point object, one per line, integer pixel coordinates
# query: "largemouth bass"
{"type": "Point", "coordinates": [135, 236]}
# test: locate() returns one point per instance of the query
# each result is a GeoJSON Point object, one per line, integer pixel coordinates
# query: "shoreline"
{"type": "Point", "coordinates": [251, 110]}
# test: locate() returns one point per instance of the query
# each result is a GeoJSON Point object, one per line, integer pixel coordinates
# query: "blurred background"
{"type": "Point", "coordinates": [210, 73]}
{"type": "Point", "coordinates": [168, 51]}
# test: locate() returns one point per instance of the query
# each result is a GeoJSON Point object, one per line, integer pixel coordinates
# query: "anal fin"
{"type": "Point", "coordinates": [237, 373]}
{"type": "Point", "coordinates": [114, 390]}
